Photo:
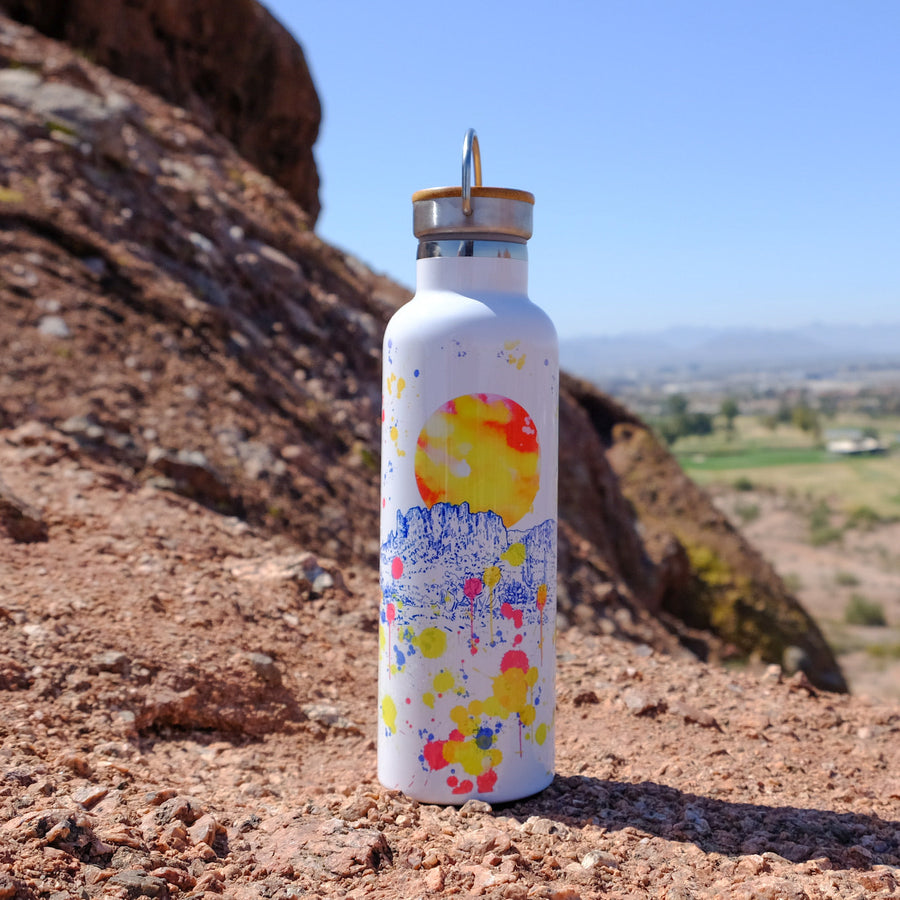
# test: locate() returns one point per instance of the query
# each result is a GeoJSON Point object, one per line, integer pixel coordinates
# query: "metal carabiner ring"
{"type": "Point", "coordinates": [471, 157]}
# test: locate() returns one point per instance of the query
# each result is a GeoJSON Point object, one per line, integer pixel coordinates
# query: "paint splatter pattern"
{"type": "Point", "coordinates": [466, 601]}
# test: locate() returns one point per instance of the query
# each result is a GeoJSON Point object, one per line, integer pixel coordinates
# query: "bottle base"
{"type": "Point", "coordinates": [454, 792]}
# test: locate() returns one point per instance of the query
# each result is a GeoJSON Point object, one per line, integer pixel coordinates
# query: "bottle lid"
{"type": "Point", "coordinates": [473, 212]}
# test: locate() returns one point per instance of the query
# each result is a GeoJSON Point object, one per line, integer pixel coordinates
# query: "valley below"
{"type": "Point", "coordinates": [856, 572]}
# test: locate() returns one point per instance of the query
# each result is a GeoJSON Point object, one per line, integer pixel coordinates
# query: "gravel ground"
{"type": "Point", "coordinates": [188, 709]}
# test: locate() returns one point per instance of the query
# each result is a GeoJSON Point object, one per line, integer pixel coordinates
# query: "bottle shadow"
{"type": "Point", "coordinates": [848, 840]}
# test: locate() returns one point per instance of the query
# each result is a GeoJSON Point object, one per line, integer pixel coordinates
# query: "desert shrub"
{"type": "Point", "coordinates": [747, 512]}
{"type": "Point", "coordinates": [846, 579]}
{"type": "Point", "coordinates": [821, 531]}
{"type": "Point", "coordinates": [862, 611]}
{"type": "Point", "coordinates": [743, 484]}
{"type": "Point", "coordinates": [805, 418]}
{"type": "Point", "coordinates": [793, 582]}
{"type": "Point", "coordinates": [884, 651]}
{"type": "Point", "coordinates": [864, 518]}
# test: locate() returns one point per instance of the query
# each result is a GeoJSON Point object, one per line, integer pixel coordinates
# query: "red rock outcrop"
{"type": "Point", "coordinates": [229, 62]}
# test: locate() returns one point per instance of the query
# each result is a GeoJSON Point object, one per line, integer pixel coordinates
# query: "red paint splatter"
{"type": "Point", "coordinates": [456, 735]}
{"type": "Point", "coordinates": [521, 434]}
{"type": "Point", "coordinates": [518, 640]}
{"type": "Point", "coordinates": [473, 587]}
{"type": "Point", "coordinates": [518, 430]}
{"type": "Point", "coordinates": [390, 613]}
{"type": "Point", "coordinates": [487, 781]}
{"type": "Point", "coordinates": [396, 567]}
{"type": "Point", "coordinates": [514, 659]}
{"type": "Point", "coordinates": [514, 614]}
{"type": "Point", "coordinates": [408, 700]}
{"type": "Point", "coordinates": [541, 603]}
{"type": "Point", "coordinates": [464, 787]}
{"type": "Point", "coordinates": [434, 755]}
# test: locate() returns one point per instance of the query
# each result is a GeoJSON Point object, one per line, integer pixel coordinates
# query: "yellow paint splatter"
{"type": "Point", "coordinates": [428, 700]}
{"type": "Point", "coordinates": [511, 690]}
{"type": "Point", "coordinates": [519, 362]}
{"type": "Point", "coordinates": [540, 734]}
{"type": "Point", "coordinates": [432, 642]}
{"type": "Point", "coordinates": [471, 757]}
{"type": "Point", "coordinates": [443, 681]}
{"type": "Point", "coordinates": [392, 381]}
{"type": "Point", "coordinates": [395, 437]}
{"type": "Point", "coordinates": [389, 713]}
{"type": "Point", "coordinates": [465, 720]}
{"type": "Point", "coordinates": [515, 555]}
{"type": "Point", "coordinates": [511, 345]}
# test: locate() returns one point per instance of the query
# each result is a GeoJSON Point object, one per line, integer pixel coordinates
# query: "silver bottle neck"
{"type": "Point", "coordinates": [459, 248]}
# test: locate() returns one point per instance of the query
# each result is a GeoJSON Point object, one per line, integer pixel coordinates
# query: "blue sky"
{"type": "Point", "coordinates": [694, 162]}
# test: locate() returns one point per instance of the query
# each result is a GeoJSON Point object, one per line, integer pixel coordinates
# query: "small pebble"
{"type": "Point", "coordinates": [54, 326]}
{"type": "Point", "coordinates": [90, 795]}
{"type": "Point", "coordinates": [265, 667]}
{"type": "Point", "coordinates": [203, 831]}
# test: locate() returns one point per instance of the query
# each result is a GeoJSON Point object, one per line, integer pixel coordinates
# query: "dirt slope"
{"type": "Point", "coordinates": [189, 711]}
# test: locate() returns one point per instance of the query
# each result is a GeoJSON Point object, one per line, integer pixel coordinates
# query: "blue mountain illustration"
{"type": "Point", "coordinates": [444, 548]}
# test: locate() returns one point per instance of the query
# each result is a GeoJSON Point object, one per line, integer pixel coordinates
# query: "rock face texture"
{"type": "Point", "coordinates": [189, 420]}
{"type": "Point", "coordinates": [229, 62]}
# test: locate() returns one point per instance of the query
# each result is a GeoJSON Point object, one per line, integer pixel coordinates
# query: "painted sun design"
{"type": "Point", "coordinates": [480, 449]}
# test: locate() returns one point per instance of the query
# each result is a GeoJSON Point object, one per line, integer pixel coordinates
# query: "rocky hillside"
{"type": "Point", "coordinates": [189, 418]}
{"type": "Point", "coordinates": [261, 97]}
{"type": "Point", "coordinates": [173, 309]}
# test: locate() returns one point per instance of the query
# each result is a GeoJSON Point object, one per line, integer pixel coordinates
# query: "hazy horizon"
{"type": "Point", "coordinates": [747, 327]}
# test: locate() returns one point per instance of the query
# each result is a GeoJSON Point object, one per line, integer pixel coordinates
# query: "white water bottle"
{"type": "Point", "coordinates": [469, 508]}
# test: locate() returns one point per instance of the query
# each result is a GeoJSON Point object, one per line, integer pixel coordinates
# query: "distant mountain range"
{"type": "Point", "coordinates": [699, 350]}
